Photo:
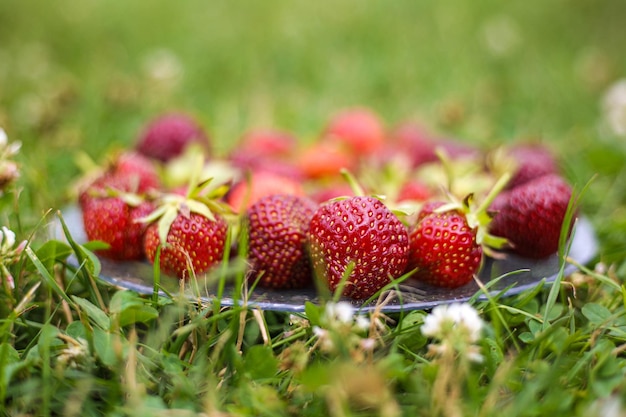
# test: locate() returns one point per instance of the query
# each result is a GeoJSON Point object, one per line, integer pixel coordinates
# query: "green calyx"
{"type": "Point", "coordinates": [200, 199]}
{"type": "Point", "coordinates": [479, 217]}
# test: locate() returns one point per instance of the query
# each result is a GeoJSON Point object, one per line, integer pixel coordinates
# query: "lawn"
{"type": "Point", "coordinates": [80, 79]}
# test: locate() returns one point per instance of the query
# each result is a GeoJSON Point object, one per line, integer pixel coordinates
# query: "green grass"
{"type": "Point", "coordinates": [74, 77]}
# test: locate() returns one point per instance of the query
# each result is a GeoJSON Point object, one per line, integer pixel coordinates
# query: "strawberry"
{"type": "Point", "coordinates": [411, 140]}
{"type": "Point", "coordinates": [138, 169]}
{"type": "Point", "coordinates": [127, 172]}
{"type": "Point", "coordinates": [444, 249]}
{"type": "Point", "coordinates": [325, 159]}
{"type": "Point", "coordinates": [447, 240]}
{"type": "Point", "coordinates": [531, 161]}
{"type": "Point", "coordinates": [526, 161]}
{"type": "Point", "coordinates": [414, 190]}
{"type": "Point", "coordinates": [265, 143]}
{"type": "Point", "coordinates": [192, 238]}
{"type": "Point", "coordinates": [278, 226]}
{"type": "Point", "coordinates": [113, 219]}
{"type": "Point", "coordinates": [360, 129]}
{"type": "Point", "coordinates": [328, 191]}
{"type": "Point", "coordinates": [260, 184]}
{"type": "Point", "coordinates": [167, 136]}
{"type": "Point", "coordinates": [360, 232]}
{"type": "Point", "coordinates": [531, 215]}
{"type": "Point", "coordinates": [191, 230]}
{"type": "Point", "coordinates": [267, 150]}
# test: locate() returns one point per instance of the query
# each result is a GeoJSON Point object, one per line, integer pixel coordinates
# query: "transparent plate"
{"type": "Point", "coordinates": [512, 275]}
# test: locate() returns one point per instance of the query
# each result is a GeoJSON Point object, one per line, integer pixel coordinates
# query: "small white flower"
{"type": "Point", "coordinates": [361, 323]}
{"type": "Point", "coordinates": [453, 317]}
{"type": "Point", "coordinates": [342, 312]}
{"type": "Point", "coordinates": [368, 344]}
{"type": "Point", "coordinates": [614, 104]}
{"type": "Point", "coordinates": [7, 238]}
{"type": "Point", "coordinates": [319, 332]}
{"type": "Point", "coordinates": [324, 338]}
{"type": "Point", "coordinates": [474, 356]}
{"type": "Point", "coordinates": [4, 139]}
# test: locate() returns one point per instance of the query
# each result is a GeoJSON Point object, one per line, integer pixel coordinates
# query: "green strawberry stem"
{"type": "Point", "coordinates": [478, 218]}
{"type": "Point", "coordinates": [493, 193]}
{"type": "Point", "coordinates": [446, 163]}
{"type": "Point", "coordinates": [352, 182]}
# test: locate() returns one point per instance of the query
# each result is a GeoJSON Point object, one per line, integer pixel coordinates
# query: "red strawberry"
{"type": "Point", "coordinates": [525, 161]}
{"type": "Point", "coordinates": [166, 136]}
{"type": "Point", "coordinates": [192, 238]}
{"type": "Point", "coordinates": [278, 226]}
{"type": "Point", "coordinates": [114, 220]}
{"type": "Point", "coordinates": [447, 240]}
{"type": "Point", "coordinates": [324, 192]}
{"type": "Point", "coordinates": [531, 215]}
{"type": "Point", "coordinates": [138, 169]}
{"type": "Point", "coordinates": [358, 231]}
{"type": "Point", "coordinates": [267, 150]}
{"type": "Point", "coordinates": [413, 141]}
{"type": "Point", "coordinates": [128, 172]}
{"type": "Point", "coordinates": [265, 143]}
{"type": "Point", "coordinates": [325, 159]}
{"type": "Point", "coordinates": [260, 184]}
{"type": "Point", "coordinates": [530, 161]}
{"type": "Point", "coordinates": [359, 128]}
{"type": "Point", "coordinates": [444, 248]}
{"type": "Point", "coordinates": [414, 190]}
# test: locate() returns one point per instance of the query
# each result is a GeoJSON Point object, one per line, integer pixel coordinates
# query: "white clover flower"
{"type": "Point", "coordinates": [459, 318]}
{"type": "Point", "coordinates": [368, 344]}
{"type": "Point", "coordinates": [9, 254]}
{"type": "Point", "coordinates": [614, 106]}
{"type": "Point", "coordinates": [4, 139]}
{"type": "Point", "coordinates": [323, 337]}
{"type": "Point", "coordinates": [361, 323]}
{"type": "Point", "coordinates": [7, 238]}
{"type": "Point", "coordinates": [341, 312]}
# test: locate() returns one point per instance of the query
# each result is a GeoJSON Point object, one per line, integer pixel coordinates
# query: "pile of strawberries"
{"type": "Point", "coordinates": [355, 209]}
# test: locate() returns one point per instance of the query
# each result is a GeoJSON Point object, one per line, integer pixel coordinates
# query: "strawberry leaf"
{"type": "Point", "coordinates": [165, 222]}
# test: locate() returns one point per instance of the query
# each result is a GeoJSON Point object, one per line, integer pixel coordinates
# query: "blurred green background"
{"type": "Point", "coordinates": [85, 75]}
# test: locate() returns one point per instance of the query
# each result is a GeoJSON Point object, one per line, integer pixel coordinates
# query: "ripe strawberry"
{"type": "Point", "coordinates": [324, 192]}
{"type": "Point", "coordinates": [138, 169]}
{"type": "Point", "coordinates": [325, 159]}
{"type": "Point", "coordinates": [414, 190]}
{"type": "Point", "coordinates": [278, 226]}
{"type": "Point", "coordinates": [260, 184]}
{"type": "Point", "coordinates": [530, 161]}
{"type": "Point", "coordinates": [359, 128]}
{"type": "Point", "coordinates": [127, 172]}
{"type": "Point", "coordinates": [166, 136]}
{"type": "Point", "coordinates": [191, 236]}
{"type": "Point", "coordinates": [413, 141]}
{"type": "Point", "coordinates": [444, 249]}
{"type": "Point", "coordinates": [358, 231]}
{"type": "Point", "coordinates": [526, 161]}
{"type": "Point", "coordinates": [531, 215]}
{"type": "Point", "coordinates": [447, 240]}
{"type": "Point", "coordinates": [265, 143]}
{"type": "Point", "coordinates": [114, 220]}
{"type": "Point", "coordinates": [267, 150]}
